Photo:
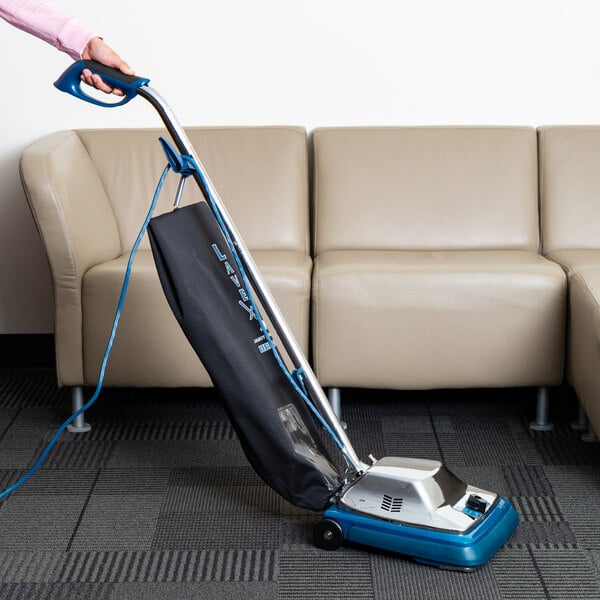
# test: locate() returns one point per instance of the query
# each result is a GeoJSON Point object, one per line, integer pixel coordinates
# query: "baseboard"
{"type": "Point", "coordinates": [27, 350]}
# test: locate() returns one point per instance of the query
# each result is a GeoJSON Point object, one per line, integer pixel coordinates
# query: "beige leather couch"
{"type": "Point", "coordinates": [570, 208]}
{"type": "Point", "coordinates": [428, 263]}
{"type": "Point", "coordinates": [89, 192]}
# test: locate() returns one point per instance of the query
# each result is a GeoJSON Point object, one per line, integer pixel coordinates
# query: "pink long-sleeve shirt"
{"type": "Point", "coordinates": [49, 23]}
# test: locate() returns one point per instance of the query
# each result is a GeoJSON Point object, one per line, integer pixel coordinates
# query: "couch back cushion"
{"type": "Point", "coordinates": [260, 174]}
{"type": "Point", "coordinates": [570, 187]}
{"type": "Point", "coordinates": [426, 188]}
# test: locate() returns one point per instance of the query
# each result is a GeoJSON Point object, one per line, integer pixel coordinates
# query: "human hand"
{"type": "Point", "coordinates": [97, 50]}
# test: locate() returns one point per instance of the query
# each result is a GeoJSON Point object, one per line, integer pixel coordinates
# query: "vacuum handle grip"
{"type": "Point", "coordinates": [70, 82]}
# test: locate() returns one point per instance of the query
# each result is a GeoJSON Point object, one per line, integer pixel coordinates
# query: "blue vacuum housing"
{"type": "Point", "coordinates": [418, 508]}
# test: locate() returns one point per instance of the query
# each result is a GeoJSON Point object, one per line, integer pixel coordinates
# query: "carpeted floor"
{"type": "Point", "coordinates": [158, 502]}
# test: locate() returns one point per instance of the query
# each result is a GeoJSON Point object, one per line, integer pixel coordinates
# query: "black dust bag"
{"type": "Point", "coordinates": [205, 290]}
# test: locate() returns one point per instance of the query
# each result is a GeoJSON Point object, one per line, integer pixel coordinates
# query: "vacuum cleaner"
{"type": "Point", "coordinates": [282, 417]}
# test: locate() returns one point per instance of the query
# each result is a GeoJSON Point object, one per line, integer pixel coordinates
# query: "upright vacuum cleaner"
{"type": "Point", "coordinates": [413, 507]}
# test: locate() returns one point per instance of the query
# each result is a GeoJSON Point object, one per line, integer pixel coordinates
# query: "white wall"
{"type": "Point", "coordinates": [309, 62]}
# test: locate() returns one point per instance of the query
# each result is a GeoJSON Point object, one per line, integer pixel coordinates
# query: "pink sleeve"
{"type": "Point", "coordinates": [49, 23]}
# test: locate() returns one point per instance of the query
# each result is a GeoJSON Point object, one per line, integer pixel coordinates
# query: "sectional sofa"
{"type": "Point", "coordinates": [402, 257]}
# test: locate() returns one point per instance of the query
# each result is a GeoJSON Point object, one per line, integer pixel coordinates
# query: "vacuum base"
{"type": "Point", "coordinates": [418, 508]}
{"type": "Point", "coordinates": [444, 549]}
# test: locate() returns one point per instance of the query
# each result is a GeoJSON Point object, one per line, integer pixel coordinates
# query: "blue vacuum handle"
{"type": "Point", "coordinates": [70, 82]}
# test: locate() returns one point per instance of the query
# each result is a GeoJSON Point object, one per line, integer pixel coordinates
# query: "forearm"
{"type": "Point", "coordinates": [49, 23]}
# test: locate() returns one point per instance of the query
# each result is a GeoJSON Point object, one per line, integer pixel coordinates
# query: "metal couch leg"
{"type": "Point", "coordinates": [541, 422]}
{"type": "Point", "coordinates": [582, 423]}
{"type": "Point", "coordinates": [335, 399]}
{"type": "Point", "coordinates": [78, 425]}
{"type": "Point", "coordinates": [590, 436]}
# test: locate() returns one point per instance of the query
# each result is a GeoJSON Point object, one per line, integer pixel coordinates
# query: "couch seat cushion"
{"type": "Point", "coordinates": [395, 319]}
{"type": "Point", "coordinates": [150, 349]}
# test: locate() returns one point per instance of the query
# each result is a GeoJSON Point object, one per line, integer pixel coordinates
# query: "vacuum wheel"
{"type": "Point", "coordinates": [328, 535]}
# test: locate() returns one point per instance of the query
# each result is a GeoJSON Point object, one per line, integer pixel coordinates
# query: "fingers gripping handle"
{"type": "Point", "coordinates": [70, 82]}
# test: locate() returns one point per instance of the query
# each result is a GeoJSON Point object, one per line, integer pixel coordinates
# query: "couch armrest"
{"type": "Point", "coordinates": [78, 230]}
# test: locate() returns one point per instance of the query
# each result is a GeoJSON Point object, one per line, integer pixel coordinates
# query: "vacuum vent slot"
{"type": "Point", "coordinates": [390, 504]}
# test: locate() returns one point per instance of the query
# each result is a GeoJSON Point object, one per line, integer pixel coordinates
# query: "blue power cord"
{"type": "Point", "coordinates": [109, 344]}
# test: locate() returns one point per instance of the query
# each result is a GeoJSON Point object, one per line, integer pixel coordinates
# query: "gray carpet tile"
{"type": "Point", "coordinates": [543, 535]}
{"type": "Point", "coordinates": [218, 530]}
{"type": "Point", "coordinates": [39, 521]}
{"type": "Point", "coordinates": [22, 440]}
{"type": "Point", "coordinates": [7, 417]}
{"type": "Point", "coordinates": [314, 574]}
{"type": "Point", "coordinates": [450, 450]}
{"type": "Point", "coordinates": [568, 575]}
{"type": "Point", "coordinates": [527, 480]}
{"type": "Point", "coordinates": [58, 481]}
{"type": "Point", "coordinates": [296, 530]}
{"type": "Point", "coordinates": [151, 431]}
{"type": "Point", "coordinates": [8, 476]}
{"type": "Point", "coordinates": [28, 428]}
{"type": "Point", "coordinates": [117, 522]}
{"type": "Point", "coordinates": [55, 591]}
{"type": "Point", "coordinates": [29, 566]}
{"type": "Point", "coordinates": [224, 476]}
{"type": "Point", "coordinates": [517, 576]}
{"type": "Point", "coordinates": [158, 500]}
{"type": "Point", "coordinates": [176, 454]}
{"type": "Point", "coordinates": [191, 591]}
{"type": "Point", "coordinates": [132, 481]}
{"type": "Point", "coordinates": [538, 508]}
{"type": "Point", "coordinates": [562, 446]}
{"type": "Point", "coordinates": [30, 388]}
{"type": "Point", "coordinates": [411, 424]}
{"type": "Point", "coordinates": [79, 454]}
{"type": "Point", "coordinates": [160, 406]}
{"type": "Point", "coordinates": [595, 558]}
{"type": "Point", "coordinates": [19, 456]}
{"type": "Point", "coordinates": [219, 498]}
{"type": "Point", "coordinates": [420, 583]}
{"type": "Point", "coordinates": [573, 478]}
{"type": "Point", "coordinates": [413, 445]}
{"type": "Point", "coordinates": [175, 566]}
{"type": "Point", "coordinates": [489, 477]}
{"type": "Point", "coordinates": [526, 442]}
{"type": "Point", "coordinates": [487, 441]}
{"type": "Point", "coordinates": [576, 491]}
